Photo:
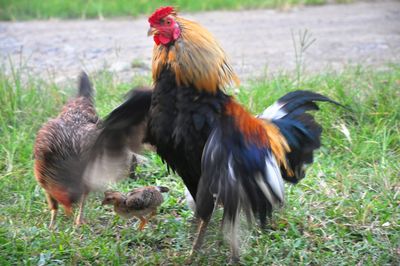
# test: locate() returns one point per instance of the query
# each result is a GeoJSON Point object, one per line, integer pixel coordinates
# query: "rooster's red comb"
{"type": "Point", "coordinates": [160, 13]}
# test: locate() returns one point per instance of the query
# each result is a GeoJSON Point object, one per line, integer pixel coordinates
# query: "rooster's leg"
{"type": "Point", "coordinates": [235, 259]}
{"type": "Point", "coordinates": [200, 236]}
{"type": "Point", "coordinates": [53, 205]}
{"type": "Point", "coordinates": [80, 219]}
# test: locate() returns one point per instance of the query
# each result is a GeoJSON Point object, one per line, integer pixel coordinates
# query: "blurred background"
{"type": "Point", "coordinates": [57, 38]}
{"type": "Point", "coordinates": [25, 9]}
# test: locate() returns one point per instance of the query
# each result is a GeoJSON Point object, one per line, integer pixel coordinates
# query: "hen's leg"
{"type": "Point", "coordinates": [53, 205]}
{"type": "Point", "coordinates": [80, 218]}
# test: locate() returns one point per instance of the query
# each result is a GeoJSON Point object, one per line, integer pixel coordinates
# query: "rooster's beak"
{"type": "Point", "coordinates": [151, 31]}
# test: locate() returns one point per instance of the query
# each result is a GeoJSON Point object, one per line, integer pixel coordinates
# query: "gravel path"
{"type": "Point", "coordinates": [366, 33]}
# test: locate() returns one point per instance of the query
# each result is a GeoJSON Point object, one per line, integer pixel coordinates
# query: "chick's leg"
{"type": "Point", "coordinates": [80, 218]}
{"type": "Point", "coordinates": [152, 214]}
{"type": "Point", "coordinates": [143, 222]}
{"type": "Point", "coordinates": [53, 205]}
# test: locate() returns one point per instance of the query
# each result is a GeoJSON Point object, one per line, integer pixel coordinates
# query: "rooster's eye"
{"type": "Point", "coordinates": [168, 22]}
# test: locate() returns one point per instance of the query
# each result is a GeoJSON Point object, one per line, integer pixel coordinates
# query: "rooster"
{"type": "Point", "coordinates": [223, 154]}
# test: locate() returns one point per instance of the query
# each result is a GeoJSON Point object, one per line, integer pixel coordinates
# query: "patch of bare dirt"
{"type": "Point", "coordinates": [366, 33]}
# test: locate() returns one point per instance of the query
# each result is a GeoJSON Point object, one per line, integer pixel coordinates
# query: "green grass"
{"type": "Point", "coordinates": [345, 212]}
{"type": "Point", "coordinates": [38, 9]}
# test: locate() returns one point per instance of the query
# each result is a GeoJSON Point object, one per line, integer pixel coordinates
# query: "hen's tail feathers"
{"type": "Point", "coordinates": [85, 86]}
{"type": "Point", "coordinates": [162, 189]}
{"type": "Point", "coordinates": [121, 136]}
{"type": "Point", "coordinates": [302, 132]}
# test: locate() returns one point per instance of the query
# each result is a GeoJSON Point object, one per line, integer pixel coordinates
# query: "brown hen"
{"type": "Point", "coordinates": [61, 151]}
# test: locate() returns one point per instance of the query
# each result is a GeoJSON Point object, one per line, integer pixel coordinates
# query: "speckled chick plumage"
{"type": "Point", "coordinates": [139, 202]}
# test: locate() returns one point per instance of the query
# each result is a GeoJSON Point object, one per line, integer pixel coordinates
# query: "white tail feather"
{"type": "Point", "coordinates": [274, 177]}
{"type": "Point", "coordinates": [274, 111]}
{"type": "Point", "coordinates": [265, 189]}
{"type": "Point", "coordinates": [274, 192]}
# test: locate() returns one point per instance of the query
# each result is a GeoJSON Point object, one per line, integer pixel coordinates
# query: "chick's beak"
{"type": "Point", "coordinates": [151, 31]}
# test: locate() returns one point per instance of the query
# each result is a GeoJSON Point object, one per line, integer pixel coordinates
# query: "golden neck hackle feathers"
{"type": "Point", "coordinates": [196, 58]}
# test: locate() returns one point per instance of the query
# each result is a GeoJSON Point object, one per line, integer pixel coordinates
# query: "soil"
{"type": "Point", "coordinates": [366, 33]}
